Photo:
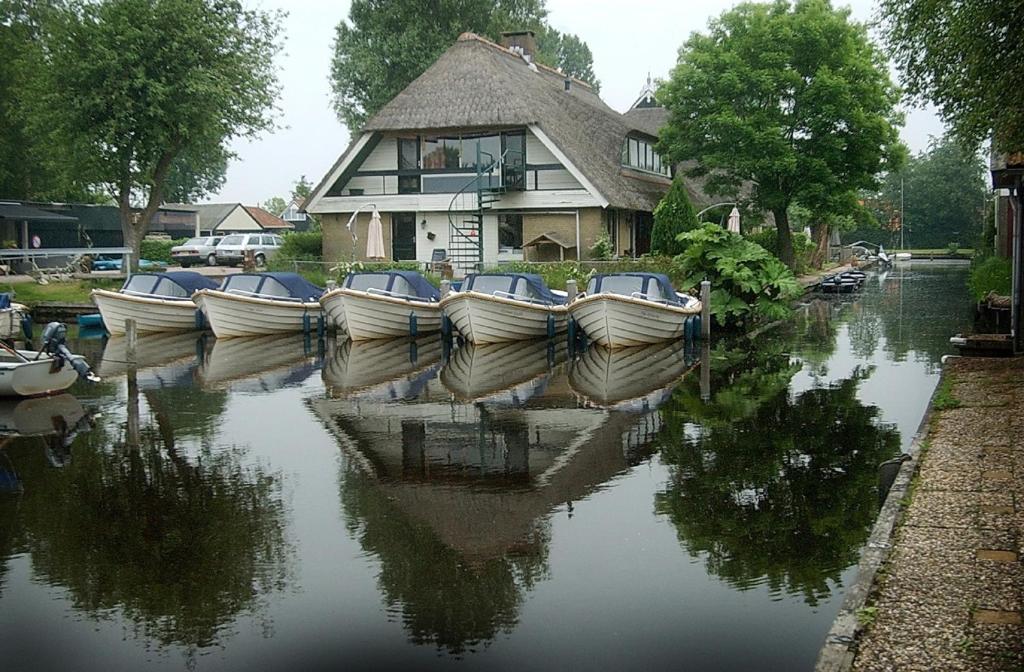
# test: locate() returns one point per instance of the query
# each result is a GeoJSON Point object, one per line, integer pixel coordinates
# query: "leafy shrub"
{"type": "Point", "coordinates": [803, 246]}
{"type": "Point", "coordinates": [303, 245]}
{"type": "Point", "coordinates": [748, 283]}
{"type": "Point", "coordinates": [952, 249]}
{"type": "Point", "coordinates": [672, 216]}
{"type": "Point", "coordinates": [990, 274]}
{"type": "Point", "coordinates": [602, 249]}
{"type": "Point", "coordinates": [158, 250]}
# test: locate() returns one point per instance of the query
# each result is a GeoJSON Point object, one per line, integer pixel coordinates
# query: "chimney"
{"type": "Point", "coordinates": [522, 42]}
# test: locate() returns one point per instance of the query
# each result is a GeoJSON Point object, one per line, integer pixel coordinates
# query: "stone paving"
{"type": "Point", "coordinates": [950, 595]}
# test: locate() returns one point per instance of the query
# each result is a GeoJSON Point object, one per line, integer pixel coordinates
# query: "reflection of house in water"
{"type": "Point", "coordinates": [469, 464]}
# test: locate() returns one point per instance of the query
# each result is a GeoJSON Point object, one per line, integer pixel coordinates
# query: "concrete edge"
{"type": "Point", "coordinates": [840, 647]}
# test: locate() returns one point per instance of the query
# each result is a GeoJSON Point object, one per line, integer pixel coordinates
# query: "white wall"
{"type": "Point", "coordinates": [238, 220]}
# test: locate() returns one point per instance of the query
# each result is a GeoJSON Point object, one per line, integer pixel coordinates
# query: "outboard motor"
{"type": "Point", "coordinates": [54, 339]}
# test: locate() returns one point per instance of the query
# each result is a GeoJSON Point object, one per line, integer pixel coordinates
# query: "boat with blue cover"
{"type": "Point", "coordinates": [157, 302]}
{"type": "Point", "coordinates": [384, 304]}
{"type": "Point", "coordinates": [501, 307]}
{"type": "Point", "coordinates": [256, 304]}
{"type": "Point", "coordinates": [629, 309]}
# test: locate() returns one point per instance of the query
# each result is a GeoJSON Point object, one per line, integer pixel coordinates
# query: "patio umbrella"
{"type": "Point", "coordinates": [734, 220]}
{"type": "Point", "coordinates": [375, 237]}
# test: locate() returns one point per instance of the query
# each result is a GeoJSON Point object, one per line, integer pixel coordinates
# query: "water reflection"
{"type": "Point", "coordinates": [259, 363]}
{"type": "Point", "coordinates": [626, 378]}
{"type": "Point", "coordinates": [502, 372]}
{"type": "Point", "coordinates": [383, 368]}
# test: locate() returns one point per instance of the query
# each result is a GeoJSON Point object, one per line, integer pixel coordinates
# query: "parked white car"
{"type": "Point", "coordinates": [196, 251]}
{"type": "Point", "coordinates": [232, 248]}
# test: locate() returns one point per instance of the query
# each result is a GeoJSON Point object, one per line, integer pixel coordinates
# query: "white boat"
{"type": "Point", "coordinates": [334, 312]}
{"type": "Point", "coordinates": [257, 304]}
{"type": "Point", "coordinates": [385, 304]}
{"type": "Point", "coordinates": [903, 256]}
{"type": "Point", "coordinates": [629, 309]}
{"type": "Point", "coordinates": [501, 307]}
{"type": "Point", "coordinates": [11, 317]}
{"type": "Point", "coordinates": [25, 375]}
{"type": "Point", "coordinates": [158, 302]}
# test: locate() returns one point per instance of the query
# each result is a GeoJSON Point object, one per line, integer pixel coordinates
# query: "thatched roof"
{"type": "Point", "coordinates": [647, 119]}
{"type": "Point", "coordinates": [479, 84]}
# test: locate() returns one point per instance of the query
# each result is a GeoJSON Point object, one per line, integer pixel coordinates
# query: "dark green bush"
{"type": "Point", "coordinates": [990, 274]}
{"type": "Point", "coordinates": [158, 250]}
{"type": "Point", "coordinates": [303, 245]}
{"type": "Point", "coordinates": [748, 283]}
{"type": "Point", "coordinates": [672, 216]}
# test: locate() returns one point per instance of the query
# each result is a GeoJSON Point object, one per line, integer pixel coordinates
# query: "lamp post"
{"type": "Point", "coordinates": [712, 207]}
{"type": "Point", "coordinates": [351, 221]}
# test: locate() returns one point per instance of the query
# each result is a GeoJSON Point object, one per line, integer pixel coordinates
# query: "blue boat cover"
{"type": "Point", "coordinates": [420, 286]}
{"type": "Point", "coordinates": [650, 280]}
{"type": "Point", "coordinates": [298, 287]}
{"type": "Point", "coordinates": [187, 280]}
{"type": "Point", "coordinates": [5, 301]}
{"type": "Point", "coordinates": [527, 284]}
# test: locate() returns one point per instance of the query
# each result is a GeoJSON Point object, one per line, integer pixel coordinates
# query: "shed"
{"type": "Point", "coordinates": [548, 246]}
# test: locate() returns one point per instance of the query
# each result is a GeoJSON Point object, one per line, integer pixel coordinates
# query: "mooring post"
{"type": "Point", "coordinates": [571, 289]}
{"type": "Point", "coordinates": [446, 286]}
{"type": "Point", "coordinates": [131, 336]}
{"type": "Point", "coordinates": [705, 309]}
{"type": "Point", "coordinates": [330, 285]}
{"type": "Point", "coordinates": [705, 370]}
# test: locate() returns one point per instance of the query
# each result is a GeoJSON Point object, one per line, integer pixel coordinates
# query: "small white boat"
{"type": "Point", "coordinates": [501, 307]}
{"type": "Point", "coordinates": [903, 256]}
{"type": "Point", "coordinates": [257, 304]}
{"type": "Point", "coordinates": [158, 302]}
{"type": "Point", "coordinates": [385, 304]}
{"type": "Point", "coordinates": [28, 373]}
{"type": "Point", "coordinates": [629, 309]}
{"type": "Point", "coordinates": [11, 317]}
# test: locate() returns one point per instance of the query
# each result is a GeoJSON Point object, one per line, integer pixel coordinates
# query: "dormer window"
{"type": "Point", "coordinates": [639, 154]}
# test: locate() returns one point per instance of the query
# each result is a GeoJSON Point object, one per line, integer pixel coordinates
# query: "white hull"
{"type": "Point", "coordinates": [372, 316]}
{"type": "Point", "coordinates": [151, 350]}
{"type": "Point", "coordinates": [616, 321]}
{"type": "Point", "coordinates": [238, 359]}
{"type": "Point", "coordinates": [334, 309]}
{"type": "Point", "coordinates": [151, 315]}
{"type": "Point", "coordinates": [33, 378]}
{"type": "Point", "coordinates": [10, 321]}
{"type": "Point", "coordinates": [232, 315]}
{"type": "Point", "coordinates": [483, 318]}
{"type": "Point", "coordinates": [380, 369]}
{"type": "Point", "coordinates": [43, 416]}
{"type": "Point", "coordinates": [612, 378]}
{"type": "Point", "coordinates": [479, 372]}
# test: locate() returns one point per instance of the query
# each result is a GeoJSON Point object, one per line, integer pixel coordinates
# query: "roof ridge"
{"type": "Point", "coordinates": [473, 37]}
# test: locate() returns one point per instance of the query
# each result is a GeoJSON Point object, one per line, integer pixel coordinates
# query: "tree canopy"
{"type": "Point", "coordinates": [964, 56]}
{"type": "Point", "coordinates": [129, 87]}
{"type": "Point", "coordinates": [791, 99]}
{"type": "Point", "coordinates": [385, 44]}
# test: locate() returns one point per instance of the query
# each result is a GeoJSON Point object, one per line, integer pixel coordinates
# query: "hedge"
{"type": "Point", "coordinates": [159, 250]}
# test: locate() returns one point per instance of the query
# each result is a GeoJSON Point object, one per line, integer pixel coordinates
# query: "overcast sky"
{"type": "Point", "coordinates": [628, 39]}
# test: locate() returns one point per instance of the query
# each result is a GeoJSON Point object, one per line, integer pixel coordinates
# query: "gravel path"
{"type": "Point", "coordinates": [950, 595]}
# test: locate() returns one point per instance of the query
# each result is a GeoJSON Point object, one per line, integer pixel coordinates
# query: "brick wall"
{"type": "Point", "coordinates": [338, 240]}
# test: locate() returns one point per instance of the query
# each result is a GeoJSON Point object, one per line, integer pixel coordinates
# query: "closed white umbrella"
{"type": "Point", "coordinates": [734, 220]}
{"type": "Point", "coordinates": [375, 237]}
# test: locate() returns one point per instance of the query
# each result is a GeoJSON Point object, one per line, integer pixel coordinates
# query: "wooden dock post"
{"type": "Point", "coordinates": [571, 289]}
{"type": "Point", "coordinates": [446, 286]}
{"type": "Point", "coordinates": [131, 336]}
{"type": "Point", "coordinates": [705, 309]}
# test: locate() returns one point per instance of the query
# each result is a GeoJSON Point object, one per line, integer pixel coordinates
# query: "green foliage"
{"type": "Point", "coordinates": [944, 196]}
{"type": "Point", "coordinates": [158, 250]}
{"type": "Point", "coordinates": [308, 245]}
{"type": "Point", "coordinates": [602, 249]}
{"type": "Point", "coordinates": [748, 283]}
{"type": "Point", "coordinates": [673, 215]}
{"type": "Point", "coordinates": [866, 615]}
{"type": "Point", "coordinates": [944, 398]}
{"type": "Point", "coordinates": [964, 57]}
{"type": "Point", "coordinates": [75, 291]}
{"type": "Point", "coordinates": [274, 205]}
{"type": "Point", "coordinates": [385, 44]}
{"type": "Point", "coordinates": [990, 274]}
{"type": "Point", "coordinates": [130, 87]}
{"type": "Point", "coordinates": [952, 249]}
{"type": "Point", "coordinates": [791, 101]}
{"type": "Point", "coordinates": [803, 246]}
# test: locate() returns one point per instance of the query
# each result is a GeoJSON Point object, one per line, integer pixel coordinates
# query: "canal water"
{"type": "Point", "coordinates": [275, 503]}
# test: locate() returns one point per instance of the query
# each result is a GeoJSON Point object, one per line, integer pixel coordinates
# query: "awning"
{"type": "Point", "coordinates": [23, 213]}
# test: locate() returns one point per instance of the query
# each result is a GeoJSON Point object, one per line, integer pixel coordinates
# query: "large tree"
{"type": "Point", "coordinates": [965, 57]}
{"type": "Point", "coordinates": [792, 99]}
{"type": "Point", "coordinates": [129, 87]}
{"type": "Point", "coordinates": [385, 44]}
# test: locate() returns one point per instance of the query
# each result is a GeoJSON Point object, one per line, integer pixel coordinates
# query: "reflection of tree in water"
{"type": "Point", "coordinates": [191, 411]}
{"type": "Point", "coordinates": [783, 492]}
{"type": "Point", "coordinates": [817, 335]}
{"type": "Point", "coordinates": [444, 600]}
{"type": "Point", "coordinates": [181, 545]}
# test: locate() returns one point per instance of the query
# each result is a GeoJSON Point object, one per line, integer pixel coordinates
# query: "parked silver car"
{"type": "Point", "coordinates": [232, 248]}
{"type": "Point", "coordinates": [196, 251]}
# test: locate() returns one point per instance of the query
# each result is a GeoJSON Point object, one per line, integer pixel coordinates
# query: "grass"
{"type": "Point", "coordinates": [935, 251]}
{"type": "Point", "coordinates": [867, 615]}
{"type": "Point", "coordinates": [944, 399]}
{"type": "Point", "coordinates": [76, 291]}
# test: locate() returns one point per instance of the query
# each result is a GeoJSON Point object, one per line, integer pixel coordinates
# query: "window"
{"type": "Point", "coordinates": [169, 288]}
{"type": "Point", "coordinates": [489, 284]}
{"type": "Point", "coordinates": [142, 284]}
{"type": "Point", "coordinates": [510, 232]}
{"type": "Point", "coordinates": [364, 281]}
{"type": "Point", "coordinates": [408, 159]}
{"type": "Point", "coordinates": [242, 283]}
{"type": "Point", "coordinates": [232, 240]}
{"type": "Point", "coordinates": [640, 154]}
{"type": "Point", "coordinates": [441, 153]}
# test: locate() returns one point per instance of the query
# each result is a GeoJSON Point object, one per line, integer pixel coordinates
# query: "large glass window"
{"type": "Point", "coordinates": [640, 154]}
{"type": "Point", "coordinates": [242, 283]}
{"type": "Point", "coordinates": [142, 284]}
{"type": "Point", "coordinates": [489, 284]}
{"type": "Point", "coordinates": [408, 159]}
{"type": "Point", "coordinates": [510, 233]}
{"type": "Point", "coordinates": [362, 282]}
{"type": "Point", "coordinates": [441, 153]}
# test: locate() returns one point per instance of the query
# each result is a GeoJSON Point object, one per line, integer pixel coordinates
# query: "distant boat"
{"type": "Point", "coordinates": [158, 302]}
{"type": "Point", "coordinates": [501, 307]}
{"type": "Point", "coordinates": [257, 304]}
{"type": "Point", "coordinates": [629, 309]}
{"type": "Point", "coordinates": [903, 256]}
{"type": "Point", "coordinates": [385, 304]}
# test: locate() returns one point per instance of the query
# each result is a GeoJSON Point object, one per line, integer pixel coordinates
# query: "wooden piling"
{"type": "Point", "coordinates": [446, 287]}
{"type": "Point", "coordinates": [705, 309]}
{"type": "Point", "coordinates": [131, 336]}
{"type": "Point", "coordinates": [571, 289]}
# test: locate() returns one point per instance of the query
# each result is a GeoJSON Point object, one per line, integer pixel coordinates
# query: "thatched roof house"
{"type": "Point", "coordinates": [553, 158]}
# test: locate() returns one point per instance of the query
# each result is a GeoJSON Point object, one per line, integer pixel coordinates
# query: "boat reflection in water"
{"type": "Point", "coordinates": [163, 356]}
{"type": "Point", "coordinates": [259, 363]}
{"type": "Point", "coordinates": [637, 378]}
{"type": "Point", "coordinates": [382, 368]}
{"type": "Point", "coordinates": [57, 419]}
{"type": "Point", "coordinates": [452, 483]}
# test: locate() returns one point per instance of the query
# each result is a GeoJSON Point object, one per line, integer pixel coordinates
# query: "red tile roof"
{"type": "Point", "coordinates": [265, 219]}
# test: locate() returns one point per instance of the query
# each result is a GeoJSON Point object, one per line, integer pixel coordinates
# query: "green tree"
{"type": "Point", "coordinates": [964, 56]}
{"type": "Point", "coordinates": [792, 99]}
{"type": "Point", "coordinates": [672, 216]}
{"type": "Point", "coordinates": [385, 44]}
{"type": "Point", "coordinates": [131, 86]}
{"type": "Point", "coordinates": [275, 205]}
{"type": "Point", "coordinates": [197, 172]}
